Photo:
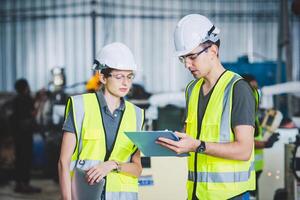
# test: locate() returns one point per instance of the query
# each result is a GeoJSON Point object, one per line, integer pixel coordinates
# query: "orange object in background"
{"type": "Point", "coordinates": [93, 83]}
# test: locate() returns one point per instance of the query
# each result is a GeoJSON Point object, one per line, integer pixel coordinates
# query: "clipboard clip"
{"type": "Point", "coordinates": [81, 162]}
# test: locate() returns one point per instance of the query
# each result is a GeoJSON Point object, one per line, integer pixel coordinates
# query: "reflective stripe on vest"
{"type": "Point", "coordinates": [221, 177]}
{"type": "Point", "coordinates": [188, 92]}
{"type": "Point", "coordinates": [258, 157]}
{"type": "Point", "coordinates": [139, 118]}
{"type": "Point", "coordinates": [225, 128]}
{"type": "Point", "coordinates": [84, 164]}
{"type": "Point", "coordinates": [121, 195]}
{"type": "Point", "coordinates": [78, 111]}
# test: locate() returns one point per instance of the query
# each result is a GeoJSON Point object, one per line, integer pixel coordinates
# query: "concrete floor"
{"type": "Point", "coordinates": [50, 191]}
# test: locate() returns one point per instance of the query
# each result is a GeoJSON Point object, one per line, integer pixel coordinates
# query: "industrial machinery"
{"type": "Point", "coordinates": [279, 177]}
{"type": "Point", "coordinates": [164, 177]}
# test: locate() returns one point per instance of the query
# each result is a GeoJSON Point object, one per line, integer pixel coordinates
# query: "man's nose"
{"type": "Point", "coordinates": [188, 64]}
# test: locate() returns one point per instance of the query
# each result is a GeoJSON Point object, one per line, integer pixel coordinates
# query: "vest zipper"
{"type": "Point", "coordinates": [108, 152]}
{"type": "Point", "coordinates": [194, 196]}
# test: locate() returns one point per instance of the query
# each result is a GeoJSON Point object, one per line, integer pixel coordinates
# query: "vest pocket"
{"type": "Point", "coordinates": [123, 151]}
{"type": "Point", "coordinates": [91, 134]}
{"type": "Point", "coordinates": [210, 133]}
{"type": "Point", "coordinates": [190, 126]}
{"type": "Point", "coordinates": [93, 145]}
{"type": "Point", "coordinates": [129, 183]}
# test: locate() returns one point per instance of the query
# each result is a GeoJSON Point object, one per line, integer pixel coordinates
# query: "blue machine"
{"type": "Point", "coordinates": [39, 158]}
{"type": "Point", "coordinates": [264, 72]}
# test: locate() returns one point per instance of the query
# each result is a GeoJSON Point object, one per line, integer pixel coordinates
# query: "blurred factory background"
{"type": "Point", "coordinates": [52, 44]}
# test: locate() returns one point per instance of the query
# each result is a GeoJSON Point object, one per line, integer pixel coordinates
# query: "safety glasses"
{"type": "Point", "coordinates": [192, 56]}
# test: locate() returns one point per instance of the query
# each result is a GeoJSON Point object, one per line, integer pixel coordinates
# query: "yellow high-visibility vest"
{"type": "Point", "coordinates": [210, 177]}
{"type": "Point", "coordinates": [91, 142]}
{"type": "Point", "coordinates": [259, 153]}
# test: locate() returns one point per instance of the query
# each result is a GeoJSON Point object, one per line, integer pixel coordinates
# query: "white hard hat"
{"type": "Point", "coordinates": [191, 31]}
{"type": "Point", "coordinates": [115, 55]}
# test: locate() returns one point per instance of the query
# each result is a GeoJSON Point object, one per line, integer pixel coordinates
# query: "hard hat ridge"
{"type": "Point", "coordinates": [193, 30]}
{"type": "Point", "coordinates": [115, 55]}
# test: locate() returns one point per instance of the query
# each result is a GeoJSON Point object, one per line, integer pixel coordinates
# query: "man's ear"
{"type": "Point", "coordinates": [214, 49]}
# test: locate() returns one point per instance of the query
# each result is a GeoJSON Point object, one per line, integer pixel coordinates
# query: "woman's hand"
{"type": "Point", "coordinates": [96, 173]}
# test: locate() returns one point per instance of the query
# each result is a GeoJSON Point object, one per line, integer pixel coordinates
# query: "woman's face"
{"type": "Point", "coordinates": [119, 82]}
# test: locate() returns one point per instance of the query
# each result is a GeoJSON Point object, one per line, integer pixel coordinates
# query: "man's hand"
{"type": "Point", "coordinates": [272, 139]}
{"type": "Point", "coordinates": [184, 145]}
{"type": "Point", "coordinates": [96, 173]}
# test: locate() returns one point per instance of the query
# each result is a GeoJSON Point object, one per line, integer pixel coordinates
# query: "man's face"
{"type": "Point", "coordinates": [254, 84]}
{"type": "Point", "coordinates": [197, 61]}
{"type": "Point", "coordinates": [119, 82]}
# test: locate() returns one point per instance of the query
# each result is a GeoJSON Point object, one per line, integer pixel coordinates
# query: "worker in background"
{"type": "Point", "coordinates": [94, 139]}
{"type": "Point", "coordinates": [258, 134]}
{"type": "Point", "coordinates": [220, 117]}
{"type": "Point", "coordinates": [24, 125]}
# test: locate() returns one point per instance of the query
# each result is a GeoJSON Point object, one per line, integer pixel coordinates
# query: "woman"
{"type": "Point", "coordinates": [94, 142]}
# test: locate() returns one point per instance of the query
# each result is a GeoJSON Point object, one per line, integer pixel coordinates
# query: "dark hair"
{"type": "Point", "coordinates": [209, 43]}
{"type": "Point", "coordinates": [248, 77]}
{"type": "Point", "coordinates": [21, 85]}
{"type": "Point", "coordinates": [106, 72]}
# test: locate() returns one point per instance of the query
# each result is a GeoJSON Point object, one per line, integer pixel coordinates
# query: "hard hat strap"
{"type": "Point", "coordinates": [211, 30]}
{"type": "Point", "coordinates": [211, 36]}
{"type": "Point", "coordinates": [98, 66]}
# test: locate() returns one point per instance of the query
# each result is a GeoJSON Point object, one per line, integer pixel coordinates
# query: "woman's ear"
{"type": "Point", "coordinates": [102, 78]}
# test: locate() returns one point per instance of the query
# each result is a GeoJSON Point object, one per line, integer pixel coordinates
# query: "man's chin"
{"type": "Point", "coordinates": [197, 76]}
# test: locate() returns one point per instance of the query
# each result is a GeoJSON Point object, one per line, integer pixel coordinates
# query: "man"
{"type": "Point", "coordinates": [259, 144]}
{"type": "Point", "coordinates": [23, 117]}
{"type": "Point", "coordinates": [220, 117]}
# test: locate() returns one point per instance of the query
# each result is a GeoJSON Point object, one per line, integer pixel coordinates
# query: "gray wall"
{"type": "Point", "coordinates": [37, 35]}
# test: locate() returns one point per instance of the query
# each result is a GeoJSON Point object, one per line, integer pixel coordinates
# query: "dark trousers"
{"type": "Point", "coordinates": [23, 153]}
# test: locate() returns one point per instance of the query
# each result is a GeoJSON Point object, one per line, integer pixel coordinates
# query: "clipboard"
{"type": "Point", "coordinates": [145, 141]}
{"type": "Point", "coordinates": [81, 190]}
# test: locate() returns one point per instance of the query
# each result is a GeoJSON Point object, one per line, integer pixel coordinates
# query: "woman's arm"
{"type": "Point", "coordinates": [133, 168]}
{"type": "Point", "coordinates": [67, 149]}
{"type": "Point", "coordinates": [96, 173]}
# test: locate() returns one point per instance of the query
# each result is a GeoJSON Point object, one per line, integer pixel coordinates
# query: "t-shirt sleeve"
{"type": "Point", "coordinates": [68, 125]}
{"type": "Point", "coordinates": [243, 105]}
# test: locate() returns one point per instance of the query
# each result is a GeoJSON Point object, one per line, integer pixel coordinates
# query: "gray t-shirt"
{"type": "Point", "coordinates": [111, 121]}
{"type": "Point", "coordinates": [243, 105]}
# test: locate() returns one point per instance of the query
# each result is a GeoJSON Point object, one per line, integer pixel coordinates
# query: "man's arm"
{"type": "Point", "coordinates": [240, 149]}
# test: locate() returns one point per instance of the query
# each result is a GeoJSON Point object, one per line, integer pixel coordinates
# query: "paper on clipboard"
{"type": "Point", "coordinates": [145, 141]}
